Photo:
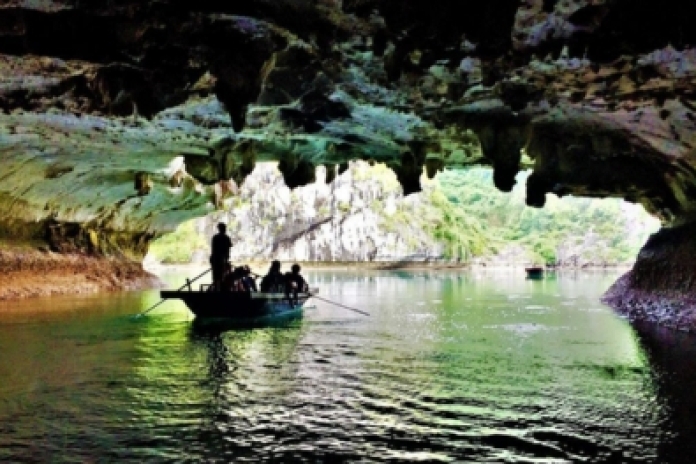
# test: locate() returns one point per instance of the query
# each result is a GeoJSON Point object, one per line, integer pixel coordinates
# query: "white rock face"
{"type": "Point", "coordinates": [345, 221]}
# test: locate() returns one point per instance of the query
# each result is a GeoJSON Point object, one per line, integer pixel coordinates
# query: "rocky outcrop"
{"type": "Point", "coordinates": [661, 286]}
{"type": "Point", "coordinates": [361, 216]}
{"type": "Point", "coordinates": [26, 272]}
{"type": "Point", "coordinates": [121, 120]}
{"type": "Point", "coordinates": [310, 83]}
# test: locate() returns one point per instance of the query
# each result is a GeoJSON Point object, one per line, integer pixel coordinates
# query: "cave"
{"type": "Point", "coordinates": [121, 121]}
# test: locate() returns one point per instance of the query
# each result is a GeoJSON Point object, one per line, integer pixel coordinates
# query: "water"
{"type": "Point", "coordinates": [449, 367]}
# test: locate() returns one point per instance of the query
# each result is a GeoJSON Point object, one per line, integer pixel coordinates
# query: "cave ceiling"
{"type": "Point", "coordinates": [135, 115]}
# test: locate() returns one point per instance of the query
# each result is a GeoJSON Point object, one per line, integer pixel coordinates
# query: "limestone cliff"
{"type": "Point", "coordinates": [120, 120]}
{"type": "Point", "coordinates": [361, 216]}
{"type": "Point", "coordinates": [458, 219]}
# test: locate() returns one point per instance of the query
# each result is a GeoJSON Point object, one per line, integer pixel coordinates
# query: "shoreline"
{"type": "Point", "coordinates": [28, 273]}
{"type": "Point", "coordinates": [673, 308]}
{"type": "Point", "coordinates": [262, 266]}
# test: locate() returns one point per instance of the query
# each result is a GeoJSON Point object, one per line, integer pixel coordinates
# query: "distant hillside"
{"type": "Point", "coordinates": [460, 216]}
{"type": "Point", "coordinates": [568, 231]}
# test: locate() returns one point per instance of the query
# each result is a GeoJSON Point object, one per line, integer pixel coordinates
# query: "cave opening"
{"type": "Point", "coordinates": [104, 97]}
{"type": "Point", "coordinates": [459, 217]}
{"type": "Point", "coordinates": [492, 198]}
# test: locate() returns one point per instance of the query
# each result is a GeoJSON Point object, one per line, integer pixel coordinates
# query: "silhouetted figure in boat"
{"type": "Point", "coordinates": [220, 254]}
{"type": "Point", "coordinates": [239, 285]}
{"type": "Point", "coordinates": [228, 279]}
{"type": "Point", "coordinates": [274, 281]}
{"type": "Point", "coordinates": [248, 280]}
{"type": "Point", "coordinates": [234, 280]}
{"type": "Point", "coordinates": [294, 284]}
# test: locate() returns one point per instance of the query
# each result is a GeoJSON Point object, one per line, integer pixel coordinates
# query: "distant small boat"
{"type": "Point", "coordinates": [535, 272]}
{"type": "Point", "coordinates": [245, 308]}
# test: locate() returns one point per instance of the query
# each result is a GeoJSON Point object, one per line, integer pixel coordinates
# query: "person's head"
{"type": "Point", "coordinates": [222, 227]}
{"type": "Point", "coordinates": [295, 268]}
{"type": "Point", "coordinates": [275, 265]}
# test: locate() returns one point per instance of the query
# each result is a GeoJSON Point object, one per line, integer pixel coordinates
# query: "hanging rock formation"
{"type": "Point", "coordinates": [121, 120]}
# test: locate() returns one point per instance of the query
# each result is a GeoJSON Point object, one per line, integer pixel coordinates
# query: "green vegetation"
{"type": "Point", "coordinates": [464, 213]}
{"type": "Point", "coordinates": [177, 247]}
{"type": "Point", "coordinates": [462, 233]}
{"type": "Point", "coordinates": [478, 220]}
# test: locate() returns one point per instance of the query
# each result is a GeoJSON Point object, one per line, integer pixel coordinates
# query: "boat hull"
{"type": "Point", "coordinates": [535, 272]}
{"type": "Point", "coordinates": [249, 308]}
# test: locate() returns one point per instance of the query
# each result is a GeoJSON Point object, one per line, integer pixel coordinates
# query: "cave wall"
{"type": "Point", "coordinates": [661, 287]}
{"type": "Point", "coordinates": [119, 120]}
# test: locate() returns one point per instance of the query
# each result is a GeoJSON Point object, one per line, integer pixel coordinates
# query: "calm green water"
{"type": "Point", "coordinates": [449, 367]}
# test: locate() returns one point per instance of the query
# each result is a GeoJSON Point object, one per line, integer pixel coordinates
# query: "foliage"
{"type": "Point", "coordinates": [177, 247]}
{"type": "Point", "coordinates": [494, 219]}
{"type": "Point", "coordinates": [463, 212]}
{"type": "Point", "coordinates": [461, 233]}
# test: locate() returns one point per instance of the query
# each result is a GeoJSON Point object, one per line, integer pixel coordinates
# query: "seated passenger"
{"type": "Point", "coordinates": [248, 280]}
{"type": "Point", "coordinates": [294, 284]}
{"type": "Point", "coordinates": [238, 280]}
{"type": "Point", "coordinates": [231, 281]}
{"type": "Point", "coordinates": [274, 281]}
{"type": "Point", "coordinates": [228, 279]}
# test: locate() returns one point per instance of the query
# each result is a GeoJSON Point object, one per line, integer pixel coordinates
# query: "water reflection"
{"type": "Point", "coordinates": [486, 367]}
{"type": "Point", "coordinates": [672, 357]}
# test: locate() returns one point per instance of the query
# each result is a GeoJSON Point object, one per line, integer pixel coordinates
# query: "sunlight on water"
{"type": "Point", "coordinates": [448, 367]}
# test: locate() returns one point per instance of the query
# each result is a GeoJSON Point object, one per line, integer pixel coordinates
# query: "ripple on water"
{"type": "Point", "coordinates": [445, 370]}
{"type": "Point", "coordinates": [537, 309]}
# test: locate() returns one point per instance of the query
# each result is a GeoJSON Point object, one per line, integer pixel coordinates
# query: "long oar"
{"type": "Point", "coordinates": [342, 305]}
{"type": "Point", "coordinates": [364, 313]}
{"type": "Point", "coordinates": [188, 282]}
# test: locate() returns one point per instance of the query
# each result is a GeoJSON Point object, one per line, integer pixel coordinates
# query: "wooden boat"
{"type": "Point", "coordinates": [246, 308]}
{"type": "Point", "coordinates": [535, 272]}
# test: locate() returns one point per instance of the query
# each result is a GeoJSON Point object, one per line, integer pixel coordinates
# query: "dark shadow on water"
{"type": "Point", "coordinates": [243, 366]}
{"type": "Point", "coordinates": [228, 344]}
{"type": "Point", "coordinates": [210, 326]}
{"type": "Point", "coordinates": [672, 356]}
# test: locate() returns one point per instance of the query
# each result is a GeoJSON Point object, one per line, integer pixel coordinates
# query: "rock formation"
{"type": "Point", "coordinates": [120, 120]}
{"type": "Point", "coordinates": [361, 216]}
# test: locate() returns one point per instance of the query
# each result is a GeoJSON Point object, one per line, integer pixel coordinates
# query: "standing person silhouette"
{"type": "Point", "coordinates": [220, 254]}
